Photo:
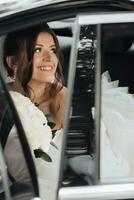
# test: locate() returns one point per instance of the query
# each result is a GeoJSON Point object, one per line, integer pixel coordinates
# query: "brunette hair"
{"type": "Point", "coordinates": [20, 44]}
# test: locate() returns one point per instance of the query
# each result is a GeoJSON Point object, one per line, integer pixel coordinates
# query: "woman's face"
{"type": "Point", "coordinates": [45, 60]}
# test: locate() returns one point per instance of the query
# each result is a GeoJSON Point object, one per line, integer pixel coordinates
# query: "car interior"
{"type": "Point", "coordinates": [118, 59]}
{"type": "Point", "coordinates": [118, 53]}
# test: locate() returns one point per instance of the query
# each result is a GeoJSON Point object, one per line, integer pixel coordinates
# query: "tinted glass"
{"type": "Point", "coordinates": [117, 102]}
{"type": "Point", "coordinates": [80, 144]}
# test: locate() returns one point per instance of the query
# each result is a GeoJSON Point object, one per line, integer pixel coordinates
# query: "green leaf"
{"type": "Point", "coordinates": [51, 124]}
{"type": "Point", "coordinates": [46, 157]}
{"type": "Point", "coordinates": [54, 145]}
{"type": "Point", "coordinates": [53, 133]}
{"type": "Point", "coordinates": [39, 153]}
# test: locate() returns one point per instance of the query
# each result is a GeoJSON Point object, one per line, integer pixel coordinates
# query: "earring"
{"type": "Point", "coordinates": [15, 73]}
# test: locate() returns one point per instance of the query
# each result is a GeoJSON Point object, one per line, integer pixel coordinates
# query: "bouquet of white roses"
{"type": "Point", "coordinates": [35, 124]}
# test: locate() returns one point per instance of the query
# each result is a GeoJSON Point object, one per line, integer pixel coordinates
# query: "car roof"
{"type": "Point", "coordinates": [16, 14]}
{"type": "Point", "coordinates": [9, 7]}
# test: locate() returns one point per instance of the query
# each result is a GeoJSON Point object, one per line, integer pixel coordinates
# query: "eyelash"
{"type": "Point", "coordinates": [38, 50]}
{"type": "Point", "coordinates": [53, 50]}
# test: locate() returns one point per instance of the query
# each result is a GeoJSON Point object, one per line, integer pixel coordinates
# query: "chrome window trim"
{"type": "Point", "coordinates": [103, 18]}
{"type": "Point", "coordinates": [99, 192]}
{"type": "Point", "coordinates": [97, 110]}
{"type": "Point", "coordinates": [70, 85]}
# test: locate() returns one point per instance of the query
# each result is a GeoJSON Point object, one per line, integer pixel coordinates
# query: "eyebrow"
{"type": "Point", "coordinates": [53, 45]}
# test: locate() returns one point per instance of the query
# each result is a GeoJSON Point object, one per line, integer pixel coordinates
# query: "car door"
{"type": "Point", "coordinates": [15, 151]}
{"type": "Point", "coordinates": [98, 165]}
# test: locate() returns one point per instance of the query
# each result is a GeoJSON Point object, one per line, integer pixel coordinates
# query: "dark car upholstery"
{"type": "Point", "coordinates": [118, 55]}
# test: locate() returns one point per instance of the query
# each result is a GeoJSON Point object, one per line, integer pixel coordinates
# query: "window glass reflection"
{"type": "Point", "coordinates": [80, 139]}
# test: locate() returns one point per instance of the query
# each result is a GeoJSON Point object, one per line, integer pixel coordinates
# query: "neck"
{"type": "Point", "coordinates": [39, 92]}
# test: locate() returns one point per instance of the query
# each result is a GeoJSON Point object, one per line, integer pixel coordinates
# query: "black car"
{"type": "Point", "coordinates": [95, 159]}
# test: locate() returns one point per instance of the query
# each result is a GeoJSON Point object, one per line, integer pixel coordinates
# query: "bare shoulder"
{"type": "Point", "coordinates": [58, 106]}
{"type": "Point", "coordinates": [62, 94]}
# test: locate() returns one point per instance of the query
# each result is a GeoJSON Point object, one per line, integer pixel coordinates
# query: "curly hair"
{"type": "Point", "coordinates": [20, 44]}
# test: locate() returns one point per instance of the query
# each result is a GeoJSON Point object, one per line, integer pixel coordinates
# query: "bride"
{"type": "Point", "coordinates": [32, 58]}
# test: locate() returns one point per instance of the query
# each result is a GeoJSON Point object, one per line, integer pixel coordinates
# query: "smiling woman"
{"type": "Point", "coordinates": [32, 58]}
{"type": "Point", "coordinates": [45, 50]}
{"type": "Point", "coordinates": [33, 61]}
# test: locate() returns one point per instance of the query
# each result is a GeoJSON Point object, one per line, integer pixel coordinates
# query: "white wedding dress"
{"type": "Point", "coordinates": [39, 135]}
{"type": "Point", "coordinates": [48, 173]}
{"type": "Point", "coordinates": [117, 132]}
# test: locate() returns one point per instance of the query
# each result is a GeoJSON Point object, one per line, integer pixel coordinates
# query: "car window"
{"type": "Point", "coordinates": [102, 53]}
{"type": "Point", "coordinates": [80, 132]}
{"type": "Point", "coordinates": [117, 72]}
{"type": "Point", "coordinates": [32, 119]}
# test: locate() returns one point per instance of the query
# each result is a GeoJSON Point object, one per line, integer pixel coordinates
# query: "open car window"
{"type": "Point", "coordinates": [34, 121]}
